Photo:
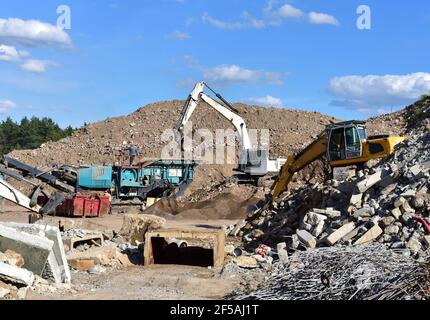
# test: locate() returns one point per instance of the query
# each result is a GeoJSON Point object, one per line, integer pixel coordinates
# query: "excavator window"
{"type": "Point", "coordinates": [353, 143]}
{"type": "Point", "coordinates": [345, 143]}
{"type": "Point", "coordinates": [337, 144]}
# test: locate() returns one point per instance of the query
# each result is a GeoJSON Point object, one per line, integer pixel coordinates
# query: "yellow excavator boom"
{"type": "Point", "coordinates": [296, 163]}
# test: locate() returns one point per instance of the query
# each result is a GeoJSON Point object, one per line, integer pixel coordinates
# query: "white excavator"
{"type": "Point", "coordinates": [255, 165]}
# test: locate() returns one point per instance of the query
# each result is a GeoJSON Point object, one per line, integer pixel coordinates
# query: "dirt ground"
{"type": "Point", "coordinates": [166, 282]}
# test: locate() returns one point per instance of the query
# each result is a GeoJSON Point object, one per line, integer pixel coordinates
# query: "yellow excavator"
{"type": "Point", "coordinates": [345, 144]}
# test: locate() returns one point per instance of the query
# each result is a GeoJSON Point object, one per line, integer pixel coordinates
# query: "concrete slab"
{"type": "Point", "coordinates": [369, 236]}
{"type": "Point", "coordinates": [35, 249]}
{"type": "Point", "coordinates": [340, 233]}
{"type": "Point", "coordinates": [16, 275]}
{"type": "Point", "coordinates": [57, 259]}
{"type": "Point", "coordinates": [307, 239]}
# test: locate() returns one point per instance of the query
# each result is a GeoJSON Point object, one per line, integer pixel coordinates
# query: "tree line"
{"type": "Point", "coordinates": [29, 133]}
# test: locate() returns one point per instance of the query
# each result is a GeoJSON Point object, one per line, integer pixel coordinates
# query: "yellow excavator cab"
{"type": "Point", "coordinates": [348, 144]}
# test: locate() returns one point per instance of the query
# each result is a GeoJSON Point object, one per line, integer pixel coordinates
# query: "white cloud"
{"type": "Point", "coordinates": [288, 11]}
{"type": "Point", "coordinates": [322, 18]}
{"type": "Point", "coordinates": [37, 66]}
{"type": "Point", "coordinates": [271, 16]}
{"type": "Point", "coordinates": [267, 101]}
{"type": "Point", "coordinates": [247, 21]}
{"type": "Point", "coordinates": [6, 105]}
{"type": "Point", "coordinates": [179, 35]}
{"type": "Point", "coordinates": [8, 53]}
{"type": "Point", "coordinates": [16, 31]}
{"type": "Point", "coordinates": [227, 74]}
{"type": "Point", "coordinates": [11, 54]}
{"type": "Point", "coordinates": [372, 91]}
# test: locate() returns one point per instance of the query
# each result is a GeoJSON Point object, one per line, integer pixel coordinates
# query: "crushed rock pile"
{"type": "Point", "coordinates": [389, 203]}
{"type": "Point", "coordinates": [417, 115]}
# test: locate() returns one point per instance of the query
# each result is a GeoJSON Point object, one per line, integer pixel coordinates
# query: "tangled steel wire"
{"type": "Point", "coordinates": [347, 273]}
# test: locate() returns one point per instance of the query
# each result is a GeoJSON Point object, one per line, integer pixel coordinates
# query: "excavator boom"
{"type": "Point", "coordinates": [295, 163]}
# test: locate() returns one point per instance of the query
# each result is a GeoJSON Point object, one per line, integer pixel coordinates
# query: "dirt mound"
{"type": "Point", "coordinates": [226, 206]}
{"type": "Point", "coordinates": [417, 115]}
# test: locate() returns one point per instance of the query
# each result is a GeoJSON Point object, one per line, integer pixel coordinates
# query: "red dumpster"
{"type": "Point", "coordinates": [85, 205]}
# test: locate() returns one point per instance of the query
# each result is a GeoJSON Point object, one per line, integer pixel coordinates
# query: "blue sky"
{"type": "Point", "coordinates": [120, 55]}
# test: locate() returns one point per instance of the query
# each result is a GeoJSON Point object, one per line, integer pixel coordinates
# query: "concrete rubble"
{"type": "Point", "coordinates": [388, 203]}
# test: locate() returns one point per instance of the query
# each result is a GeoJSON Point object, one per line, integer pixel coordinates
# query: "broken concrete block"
{"type": "Point", "coordinates": [340, 233]}
{"type": "Point", "coordinates": [332, 214]}
{"type": "Point", "coordinates": [407, 208]}
{"type": "Point", "coordinates": [406, 217]}
{"type": "Point", "coordinates": [364, 212]}
{"type": "Point", "coordinates": [318, 229]}
{"type": "Point", "coordinates": [396, 213]}
{"type": "Point", "coordinates": [315, 219]}
{"type": "Point", "coordinates": [16, 275]}
{"type": "Point", "coordinates": [399, 202]}
{"type": "Point", "coordinates": [356, 199]}
{"type": "Point", "coordinates": [387, 221]}
{"type": "Point", "coordinates": [414, 245]}
{"type": "Point", "coordinates": [34, 249]}
{"type": "Point", "coordinates": [306, 238]}
{"type": "Point", "coordinates": [416, 169]}
{"type": "Point", "coordinates": [370, 181]}
{"type": "Point", "coordinates": [135, 226]}
{"type": "Point", "coordinates": [409, 193]}
{"type": "Point", "coordinates": [370, 235]}
{"type": "Point", "coordinates": [246, 262]}
{"type": "Point", "coordinates": [392, 230]}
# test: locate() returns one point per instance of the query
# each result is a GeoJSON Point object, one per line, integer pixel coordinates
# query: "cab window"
{"type": "Point", "coordinates": [362, 132]}
{"type": "Point", "coordinates": [353, 143]}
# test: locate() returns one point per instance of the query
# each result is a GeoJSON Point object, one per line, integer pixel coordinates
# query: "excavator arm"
{"type": "Point", "coordinates": [295, 163]}
{"type": "Point", "coordinates": [225, 109]}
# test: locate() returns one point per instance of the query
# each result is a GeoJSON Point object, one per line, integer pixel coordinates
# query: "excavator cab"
{"type": "Point", "coordinates": [348, 144]}
{"type": "Point", "coordinates": [346, 140]}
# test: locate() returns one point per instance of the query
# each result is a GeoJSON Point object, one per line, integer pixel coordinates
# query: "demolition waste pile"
{"type": "Point", "coordinates": [365, 237]}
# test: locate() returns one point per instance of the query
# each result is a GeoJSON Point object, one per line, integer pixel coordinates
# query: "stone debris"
{"type": "Point", "coordinates": [356, 211]}
{"type": "Point", "coordinates": [15, 275]}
